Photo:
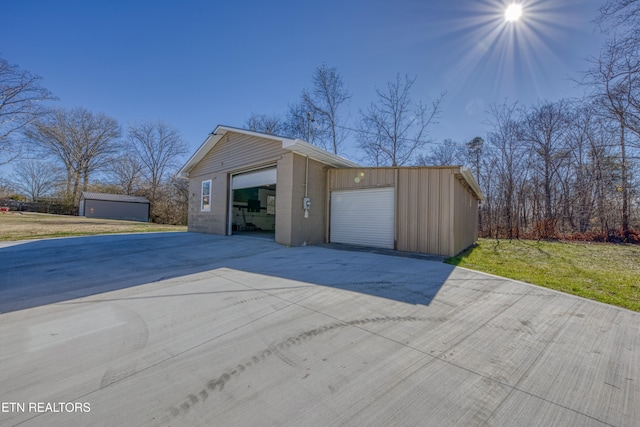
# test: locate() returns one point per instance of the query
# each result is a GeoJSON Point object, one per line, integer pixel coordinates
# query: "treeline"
{"type": "Point", "coordinates": [570, 168]}
{"type": "Point", "coordinates": [558, 169]}
{"type": "Point", "coordinates": [566, 168]}
{"type": "Point", "coordinates": [562, 168]}
{"type": "Point", "coordinates": [58, 153]}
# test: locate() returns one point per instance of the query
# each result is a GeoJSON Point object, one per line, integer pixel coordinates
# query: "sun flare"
{"type": "Point", "coordinates": [513, 12]}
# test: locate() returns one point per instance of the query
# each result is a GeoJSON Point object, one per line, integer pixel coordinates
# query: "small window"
{"type": "Point", "coordinates": [205, 201]}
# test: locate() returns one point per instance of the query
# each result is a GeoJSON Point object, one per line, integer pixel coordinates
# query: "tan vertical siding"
{"type": "Point", "coordinates": [466, 218]}
{"type": "Point", "coordinates": [435, 213]}
{"type": "Point", "coordinates": [425, 215]}
{"type": "Point", "coordinates": [354, 178]}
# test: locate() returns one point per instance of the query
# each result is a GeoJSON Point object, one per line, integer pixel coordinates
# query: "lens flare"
{"type": "Point", "coordinates": [513, 12]}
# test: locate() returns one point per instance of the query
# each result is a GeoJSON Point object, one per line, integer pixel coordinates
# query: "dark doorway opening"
{"type": "Point", "coordinates": [254, 211]}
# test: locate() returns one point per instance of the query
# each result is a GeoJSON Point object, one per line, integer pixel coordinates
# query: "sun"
{"type": "Point", "coordinates": [513, 12]}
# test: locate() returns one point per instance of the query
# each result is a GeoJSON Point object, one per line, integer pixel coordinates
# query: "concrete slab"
{"type": "Point", "coordinates": [198, 330]}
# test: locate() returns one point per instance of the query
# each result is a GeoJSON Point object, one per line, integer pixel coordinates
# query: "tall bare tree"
{"type": "Point", "coordinates": [36, 179]}
{"type": "Point", "coordinates": [614, 78]}
{"type": "Point", "coordinates": [81, 140]}
{"type": "Point", "coordinates": [394, 126]}
{"type": "Point", "coordinates": [21, 97]}
{"type": "Point", "coordinates": [509, 167]}
{"type": "Point", "coordinates": [324, 101]}
{"type": "Point", "coordinates": [125, 171]}
{"type": "Point", "coordinates": [159, 148]}
{"type": "Point", "coordinates": [544, 129]}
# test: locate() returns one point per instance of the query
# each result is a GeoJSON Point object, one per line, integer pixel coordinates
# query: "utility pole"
{"type": "Point", "coordinates": [309, 120]}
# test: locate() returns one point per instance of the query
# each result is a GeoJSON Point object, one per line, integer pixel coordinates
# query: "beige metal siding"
{"type": "Point", "coordinates": [424, 221]}
{"type": "Point", "coordinates": [428, 200]}
{"type": "Point", "coordinates": [353, 178]}
{"type": "Point", "coordinates": [466, 218]}
{"type": "Point", "coordinates": [236, 151]}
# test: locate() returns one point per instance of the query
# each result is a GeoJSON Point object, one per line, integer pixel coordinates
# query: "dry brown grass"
{"type": "Point", "coordinates": [27, 225]}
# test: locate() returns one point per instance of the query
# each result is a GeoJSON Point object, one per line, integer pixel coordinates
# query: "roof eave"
{"type": "Point", "coordinates": [295, 145]}
{"type": "Point", "coordinates": [305, 149]}
{"type": "Point", "coordinates": [468, 176]}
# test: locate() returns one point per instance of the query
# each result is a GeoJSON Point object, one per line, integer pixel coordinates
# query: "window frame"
{"type": "Point", "coordinates": [205, 207]}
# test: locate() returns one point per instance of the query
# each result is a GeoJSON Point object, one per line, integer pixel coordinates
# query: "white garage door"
{"type": "Point", "coordinates": [363, 217]}
{"type": "Point", "coordinates": [254, 179]}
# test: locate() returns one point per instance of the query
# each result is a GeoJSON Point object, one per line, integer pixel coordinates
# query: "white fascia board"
{"type": "Point", "coordinates": [298, 146]}
{"type": "Point", "coordinates": [207, 145]}
{"type": "Point", "coordinates": [225, 129]}
{"type": "Point", "coordinates": [211, 141]}
{"type": "Point", "coordinates": [468, 176]}
{"type": "Point", "coordinates": [304, 148]}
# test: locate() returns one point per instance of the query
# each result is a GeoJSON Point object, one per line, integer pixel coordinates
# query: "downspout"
{"type": "Point", "coordinates": [306, 189]}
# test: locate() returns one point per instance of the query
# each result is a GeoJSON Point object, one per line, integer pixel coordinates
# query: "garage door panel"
{"type": "Point", "coordinates": [363, 217]}
{"type": "Point", "coordinates": [254, 179]}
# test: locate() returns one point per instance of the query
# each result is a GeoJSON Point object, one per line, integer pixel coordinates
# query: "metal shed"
{"type": "Point", "coordinates": [114, 206]}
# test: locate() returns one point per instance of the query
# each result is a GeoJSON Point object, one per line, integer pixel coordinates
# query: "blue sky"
{"type": "Point", "coordinates": [196, 64]}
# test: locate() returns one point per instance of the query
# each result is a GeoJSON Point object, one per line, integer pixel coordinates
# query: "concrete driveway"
{"type": "Point", "coordinates": [198, 330]}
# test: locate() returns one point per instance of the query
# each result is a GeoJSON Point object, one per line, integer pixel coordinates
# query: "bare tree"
{"type": "Point", "coordinates": [544, 129]}
{"type": "Point", "coordinates": [36, 179]}
{"type": "Point", "coordinates": [172, 202]}
{"type": "Point", "coordinates": [508, 165]}
{"type": "Point", "coordinates": [272, 125]}
{"type": "Point", "coordinates": [323, 102]}
{"type": "Point", "coordinates": [6, 188]}
{"type": "Point", "coordinates": [21, 98]}
{"type": "Point", "coordinates": [621, 16]}
{"type": "Point", "coordinates": [300, 123]}
{"type": "Point", "coordinates": [126, 171]}
{"type": "Point", "coordinates": [399, 126]}
{"type": "Point", "coordinates": [370, 142]}
{"type": "Point", "coordinates": [446, 154]}
{"type": "Point", "coordinates": [82, 141]}
{"type": "Point", "coordinates": [159, 148]}
{"type": "Point", "coordinates": [474, 152]}
{"type": "Point", "coordinates": [614, 81]}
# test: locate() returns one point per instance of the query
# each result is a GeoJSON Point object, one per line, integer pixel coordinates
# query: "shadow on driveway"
{"type": "Point", "coordinates": [35, 273]}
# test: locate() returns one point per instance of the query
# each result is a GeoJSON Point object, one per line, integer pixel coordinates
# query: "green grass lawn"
{"type": "Point", "coordinates": [608, 273]}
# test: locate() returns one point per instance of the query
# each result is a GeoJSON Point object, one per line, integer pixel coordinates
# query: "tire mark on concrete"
{"type": "Point", "coordinates": [135, 338]}
{"type": "Point", "coordinates": [219, 382]}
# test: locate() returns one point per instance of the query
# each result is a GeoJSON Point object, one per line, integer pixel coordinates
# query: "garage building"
{"type": "Point", "coordinates": [114, 206]}
{"type": "Point", "coordinates": [248, 182]}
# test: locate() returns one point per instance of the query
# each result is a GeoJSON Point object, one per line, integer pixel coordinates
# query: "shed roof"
{"type": "Point", "coordinates": [88, 195]}
{"type": "Point", "coordinates": [295, 145]}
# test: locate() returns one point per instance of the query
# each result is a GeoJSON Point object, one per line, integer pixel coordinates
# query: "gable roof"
{"type": "Point", "coordinates": [295, 145]}
{"type": "Point", "coordinates": [88, 195]}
